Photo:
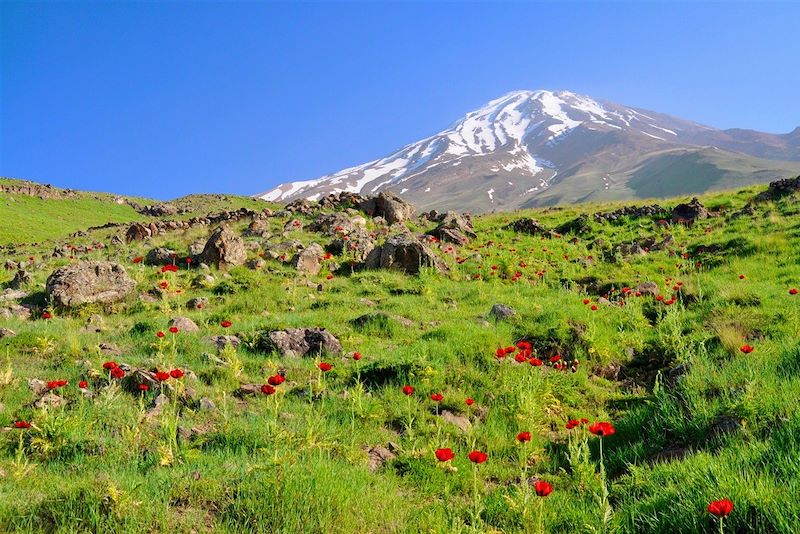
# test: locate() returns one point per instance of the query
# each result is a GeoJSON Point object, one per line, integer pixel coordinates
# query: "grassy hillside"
{"type": "Point", "coordinates": [30, 218]}
{"type": "Point", "coordinates": [696, 418]}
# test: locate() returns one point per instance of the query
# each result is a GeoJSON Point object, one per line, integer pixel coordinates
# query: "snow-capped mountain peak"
{"type": "Point", "coordinates": [512, 149]}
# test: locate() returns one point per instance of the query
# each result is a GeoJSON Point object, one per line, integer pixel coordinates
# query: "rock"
{"type": "Point", "coordinates": [207, 405]}
{"type": "Point", "coordinates": [222, 341]}
{"type": "Point", "coordinates": [196, 248]}
{"type": "Point", "coordinates": [49, 400]}
{"type": "Point", "coordinates": [184, 324]}
{"type": "Point", "coordinates": [780, 188]}
{"type": "Point", "coordinates": [338, 223]}
{"type": "Point", "coordinates": [137, 232]}
{"type": "Point", "coordinates": [648, 288]}
{"type": "Point", "coordinates": [501, 311]}
{"type": "Point", "coordinates": [20, 279]}
{"type": "Point", "coordinates": [9, 294]}
{"type": "Point", "coordinates": [38, 387]}
{"type": "Point", "coordinates": [404, 252]}
{"type": "Point", "coordinates": [135, 377]}
{"type": "Point", "coordinates": [257, 228]}
{"type": "Point", "coordinates": [116, 241]}
{"type": "Point", "coordinates": [95, 323]}
{"type": "Point", "coordinates": [356, 245]}
{"type": "Point", "coordinates": [293, 225]}
{"type": "Point", "coordinates": [458, 420]}
{"type": "Point", "coordinates": [301, 205]}
{"type": "Point", "coordinates": [223, 249]}
{"type": "Point", "coordinates": [19, 311]}
{"type": "Point", "coordinates": [7, 332]}
{"type": "Point", "coordinates": [309, 261]}
{"type": "Point", "coordinates": [389, 206]}
{"type": "Point", "coordinates": [380, 318]}
{"type": "Point", "coordinates": [11, 265]}
{"type": "Point", "coordinates": [109, 349]}
{"type": "Point", "coordinates": [159, 210]}
{"type": "Point", "coordinates": [197, 303]}
{"type": "Point", "coordinates": [630, 211]}
{"type": "Point", "coordinates": [690, 211]}
{"type": "Point", "coordinates": [248, 390]}
{"type": "Point", "coordinates": [158, 407]}
{"type": "Point", "coordinates": [530, 226]}
{"type": "Point", "coordinates": [89, 282]}
{"type": "Point", "coordinates": [378, 456]}
{"type": "Point", "coordinates": [297, 342]}
{"type": "Point", "coordinates": [256, 264]}
{"type": "Point", "coordinates": [670, 454]}
{"type": "Point", "coordinates": [159, 256]}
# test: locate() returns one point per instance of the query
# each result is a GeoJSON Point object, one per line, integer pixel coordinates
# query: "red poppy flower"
{"type": "Point", "coordinates": [524, 437]}
{"type": "Point", "coordinates": [55, 384]}
{"type": "Point", "coordinates": [520, 357]}
{"type": "Point", "coordinates": [542, 488]}
{"type": "Point", "coordinates": [83, 384]}
{"type": "Point", "coordinates": [741, 277]}
{"type": "Point", "coordinates": [408, 390]}
{"type": "Point", "coordinates": [117, 373]}
{"type": "Point", "coordinates": [159, 334]}
{"type": "Point", "coordinates": [176, 373]}
{"type": "Point", "coordinates": [602, 429]}
{"type": "Point", "coordinates": [266, 389]}
{"type": "Point", "coordinates": [173, 329]}
{"type": "Point", "coordinates": [137, 259]}
{"type": "Point", "coordinates": [47, 315]}
{"type": "Point", "coordinates": [594, 307]}
{"type": "Point", "coordinates": [500, 353]}
{"type": "Point", "coordinates": [536, 362]}
{"type": "Point", "coordinates": [188, 260]}
{"type": "Point", "coordinates": [572, 423]}
{"type": "Point", "coordinates": [584, 420]}
{"type": "Point", "coordinates": [747, 349]}
{"type": "Point", "coordinates": [21, 424]}
{"type": "Point", "coordinates": [436, 397]}
{"type": "Point", "coordinates": [793, 291]}
{"type": "Point", "coordinates": [276, 380]}
{"type": "Point", "coordinates": [469, 401]}
{"type": "Point", "coordinates": [444, 455]}
{"type": "Point", "coordinates": [143, 387]}
{"type": "Point", "coordinates": [110, 365]}
{"type": "Point", "coordinates": [586, 301]}
{"type": "Point", "coordinates": [477, 457]}
{"type": "Point", "coordinates": [225, 324]}
{"type": "Point", "coordinates": [356, 356]}
{"type": "Point", "coordinates": [329, 277]}
{"type": "Point", "coordinates": [721, 508]}
{"type": "Point", "coordinates": [554, 359]}
{"type": "Point", "coordinates": [161, 376]}
{"type": "Point", "coordinates": [325, 367]}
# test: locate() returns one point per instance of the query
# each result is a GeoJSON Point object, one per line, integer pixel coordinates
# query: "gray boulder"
{"type": "Point", "coordinates": [404, 252]}
{"type": "Point", "coordinates": [223, 249]}
{"type": "Point", "coordinates": [89, 282]}
{"type": "Point", "coordinates": [309, 260]}
{"type": "Point", "coordinates": [298, 342]}
{"type": "Point", "coordinates": [389, 206]}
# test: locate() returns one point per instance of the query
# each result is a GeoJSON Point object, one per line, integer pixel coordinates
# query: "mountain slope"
{"type": "Point", "coordinates": [532, 148]}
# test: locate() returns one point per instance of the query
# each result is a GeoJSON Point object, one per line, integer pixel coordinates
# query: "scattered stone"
{"type": "Point", "coordinates": [159, 256]}
{"type": "Point", "coordinates": [633, 212]}
{"type": "Point", "coordinates": [207, 405]}
{"type": "Point", "coordinates": [406, 253]}
{"type": "Point", "coordinates": [7, 332]}
{"type": "Point", "coordinates": [248, 390]}
{"type": "Point", "coordinates": [22, 278]}
{"type": "Point", "coordinates": [39, 387]}
{"type": "Point", "coordinates": [530, 226]}
{"type": "Point", "coordinates": [690, 211]}
{"type": "Point", "coordinates": [49, 400]}
{"type": "Point", "coordinates": [577, 226]}
{"type": "Point", "coordinates": [110, 349]}
{"type": "Point", "coordinates": [297, 342]}
{"type": "Point", "coordinates": [137, 232]}
{"type": "Point", "coordinates": [223, 249]}
{"type": "Point", "coordinates": [256, 264]}
{"type": "Point", "coordinates": [158, 406]}
{"type": "Point", "coordinates": [89, 282]}
{"type": "Point", "coordinates": [501, 311]}
{"type": "Point", "coordinates": [309, 260]}
{"type": "Point", "coordinates": [95, 323]}
{"type": "Point", "coordinates": [9, 294]}
{"type": "Point", "coordinates": [458, 420]}
{"type": "Point", "coordinates": [780, 188]}
{"type": "Point", "coordinates": [184, 324]}
{"type": "Point", "coordinates": [220, 342]}
{"type": "Point", "coordinates": [197, 303]}
{"type": "Point", "coordinates": [378, 456]}
{"type": "Point", "coordinates": [648, 288]}
{"type": "Point", "coordinates": [389, 206]}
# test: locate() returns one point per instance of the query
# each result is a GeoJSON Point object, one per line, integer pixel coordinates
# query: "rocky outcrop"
{"type": "Point", "coordinates": [223, 249]}
{"type": "Point", "coordinates": [298, 342]}
{"type": "Point", "coordinates": [690, 211]}
{"type": "Point", "coordinates": [780, 188]}
{"type": "Point", "coordinates": [530, 226]}
{"type": "Point", "coordinates": [89, 282]}
{"type": "Point", "coordinates": [634, 212]}
{"type": "Point", "coordinates": [453, 228]}
{"type": "Point", "coordinates": [406, 253]}
{"type": "Point", "coordinates": [309, 260]}
{"type": "Point", "coordinates": [389, 206]}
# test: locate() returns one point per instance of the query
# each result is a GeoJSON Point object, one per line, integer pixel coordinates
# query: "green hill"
{"type": "Point", "coordinates": [698, 416]}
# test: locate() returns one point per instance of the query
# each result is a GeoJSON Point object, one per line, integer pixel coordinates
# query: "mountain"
{"type": "Point", "coordinates": [536, 148]}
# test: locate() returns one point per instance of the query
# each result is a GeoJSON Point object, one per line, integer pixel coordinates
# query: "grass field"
{"type": "Point", "coordinates": [696, 418]}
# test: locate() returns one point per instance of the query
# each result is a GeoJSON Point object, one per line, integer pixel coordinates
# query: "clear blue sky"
{"type": "Point", "coordinates": [164, 99]}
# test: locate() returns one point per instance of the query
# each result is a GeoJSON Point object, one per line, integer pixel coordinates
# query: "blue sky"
{"type": "Point", "coordinates": [165, 99]}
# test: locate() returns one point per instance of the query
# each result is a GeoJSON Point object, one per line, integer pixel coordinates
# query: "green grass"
{"type": "Point", "coordinates": [297, 461]}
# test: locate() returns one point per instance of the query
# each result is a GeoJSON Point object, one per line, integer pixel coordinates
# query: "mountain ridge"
{"type": "Point", "coordinates": [534, 148]}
